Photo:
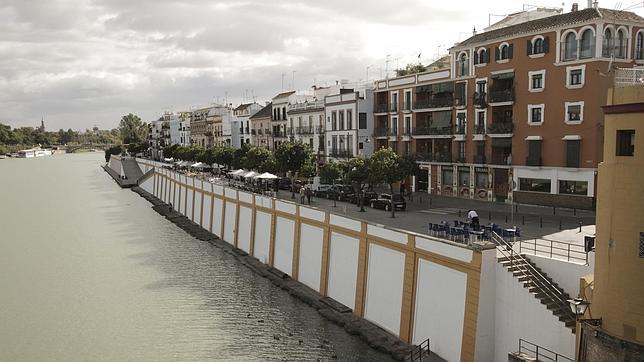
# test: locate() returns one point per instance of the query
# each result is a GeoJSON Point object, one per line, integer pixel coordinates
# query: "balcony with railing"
{"type": "Point", "coordinates": [502, 127]}
{"type": "Point", "coordinates": [629, 77]}
{"type": "Point", "coordinates": [393, 131]}
{"type": "Point", "coordinates": [279, 134]}
{"type": "Point", "coordinates": [406, 106]}
{"type": "Point", "coordinates": [434, 102]}
{"type": "Point", "coordinates": [393, 107]}
{"type": "Point", "coordinates": [340, 153]}
{"type": "Point", "coordinates": [305, 130]}
{"type": "Point", "coordinates": [381, 108]}
{"type": "Point", "coordinates": [460, 129]}
{"type": "Point", "coordinates": [479, 129]}
{"type": "Point", "coordinates": [479, 159]}
{"type": "Point", "coordinates": [480, 99]}
{"type": "Point", "coordinates": [306, 106]}
{"type": "Point", "coordinates": [319, 129]}
{"type": "Point", "coordinates": [380, 132]}
{"type": "Point", "coordinates": [502, 95]}
{"type": "Point", "coordinates": [432, 131]}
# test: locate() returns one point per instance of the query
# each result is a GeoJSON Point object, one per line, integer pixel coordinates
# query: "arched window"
{"type": "Point", "coordinates": [620, 45]}
{"type": "Point", "coordinates": [483, 57]}
{"type": "Point", "coordinates": [537, 46]}
{"type": "Point", "coordinates": [570, 46]}
{"type": "Point", "coordinates": [587, 44]}
{"type": "Point", "coordinates": [639, 46]}
{"type": "Point", "coordinates": [463, 65]}
{"type": "Point", "coordinates": [607, 44]}
{"type": "Point", "coordinates": [505, 51]}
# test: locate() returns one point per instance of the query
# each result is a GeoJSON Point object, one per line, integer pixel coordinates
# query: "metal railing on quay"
{"type": "Point", "coordinates": [420, 352]}
{"type": "Point", "coordinates": [538, 280]}
{"type": "Point", "coordinates": [553, 249]}
{"type": "Point", "coordinates": [625, 77]}
{"type": "Point", "coordinates": [540, 353]}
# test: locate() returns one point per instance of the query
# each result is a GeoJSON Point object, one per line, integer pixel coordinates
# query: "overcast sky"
{"type": "Point", "coordinates": [85, 63]}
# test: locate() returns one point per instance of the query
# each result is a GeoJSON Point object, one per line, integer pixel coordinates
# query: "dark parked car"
{"type": "Point", "coordinates": [385, 201]}
{"type": "Point", "coordinates": [368, 196]}
{"type": "Point", "coordinates": [285, 183]}
{"type": "Point", "coordinates": [340, 192]}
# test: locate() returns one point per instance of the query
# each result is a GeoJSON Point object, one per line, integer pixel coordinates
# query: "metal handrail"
{"type": "Point", "coordinates": [419, 351]}
{"type": "Point", "coordinates": [541, 353]}
{"type": "Point", "coordinates": [538, 280]}
{"type": "Point", "coordinates": [545, 246]}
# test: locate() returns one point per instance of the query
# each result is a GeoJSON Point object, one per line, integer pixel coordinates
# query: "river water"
{"type": "Point", "coordinates": [89, 272]}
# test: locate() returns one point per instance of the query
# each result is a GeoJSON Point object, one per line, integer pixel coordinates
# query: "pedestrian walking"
{"type": "Point", "coordinates": [473, 218]}
{"type": "Point", "coordinates": [308, 194]}
{"type": "Point", "coordinates": [302, 194]}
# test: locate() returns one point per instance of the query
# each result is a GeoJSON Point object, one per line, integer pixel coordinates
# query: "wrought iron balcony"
{"type": "Point", "coordinates": [381, 108]}
{"type": "Point", "coordinates": [479, 129]}
{"type": "Point", "coordinates": [480, 99]}
{"type": "Point", "coordinates": [319, 129]}
{"type": "Point", "coordinates": [340, 153]}
{"type": "Point", "coordinates": [502, 95]}
{"type": "Point", "coordinates": [434, 102]}
{"type": "Point", "coordinates": [393, 107]}
{"type": "Point", "coordinates": [425, 131]}
{"type": "Point", "coordinates": [407, 106]}
{"type": "Point", "coordinates": [380, 132]}
{"type": "Point", "coordinates": [305, 130]}
{"type": "Point", "coordinates": [501, 128]}
{"type": "Point", "coordinates": [459, 129]}
{"type": "Point", "coordinates": [393, 131]}
{"type": "Point", "coordinates": [422, 156]}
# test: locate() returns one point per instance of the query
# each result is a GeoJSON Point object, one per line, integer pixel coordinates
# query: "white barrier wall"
{"type": "Point", "coordinates": [415, 287]}
{"type": "Point", "coordinates": [343, 269]}
{"type": "Point", "coordinates": [385, 287]}
{"type": "Point", "coordinates": [440, 305]}
{"type": "Point", "coordinates": [311, 243]}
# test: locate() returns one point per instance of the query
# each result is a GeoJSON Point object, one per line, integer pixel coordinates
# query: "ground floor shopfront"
{"type": "Point", "coordinates": [548, 186]}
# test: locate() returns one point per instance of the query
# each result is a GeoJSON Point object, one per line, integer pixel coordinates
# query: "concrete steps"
{"type": "Point", "coordinates": [535, 280]}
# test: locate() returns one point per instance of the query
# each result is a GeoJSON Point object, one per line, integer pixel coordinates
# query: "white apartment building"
{"type": "Point", "coordinates": [240, 126]}
{"type": "Point", "coordinates": [349, 124]}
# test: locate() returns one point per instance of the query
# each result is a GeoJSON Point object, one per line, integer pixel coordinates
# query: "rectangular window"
{"type": "Point", "coordinates": [407, 129]}
{"type": "Point", "coordinates": [534, 184]}
{"type": "Point", "coordinates": [574, 112]}
{"type": "Point", "coordinates": [349, 119]}
{"type": "Point", "coordinates": [641, 244]}
{"type": "Point", "coordinates": [394, 126]}
{"type": "Point", "coordinates": [481, 180]}
{"type": "Point", "coordinates": [573, 187]}
{"type": "Point", "coordinates": [461, 151]}
{"type": "Point", "coordinates": [575, 77]}
{"type": "Point", "coordinates": [407, 105]}
{"type": "Point", "coordinates": [479, 127]}
{"type": "Point", "coordinates": [448, 177]}
{"type": "Point", "coordinates": [464, 176]}
{"type": "Point", "coordinates": [460, 94]}
{"type": "Point", "coordinates": [537, 81]}
{"type": "Point", "coordinates": [407, 148]}
{"type": "Point", "coordinates": [334, 121]}
{"type": "Point", "coordinates": [394, 102]}
{"type": "Point", "coordinates": [362, 120]}
{"type": "Point", "coordinates": [625, 142]}
{"type": "Point", "coordinates": [573, 150]}
{"type": "Point", "coordinates": [534, 153]}
{"type": "Point", "coordinates": [535, 114]}
{"type": "Point", "coordinates": [341, 116]}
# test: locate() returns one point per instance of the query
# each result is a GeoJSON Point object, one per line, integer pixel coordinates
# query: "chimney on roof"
{"type": "Point", "coordinates": [575, 7]}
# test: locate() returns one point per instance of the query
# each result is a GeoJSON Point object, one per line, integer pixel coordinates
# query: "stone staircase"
{"type": "Point", "coordinates": [537, 282]}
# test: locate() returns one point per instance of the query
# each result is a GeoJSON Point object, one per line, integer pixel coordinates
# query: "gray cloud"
{"type": "Point", "coordinates": [81, 63]}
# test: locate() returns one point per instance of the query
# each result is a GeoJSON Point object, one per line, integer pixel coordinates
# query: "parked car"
{"type": "Point", "coordinates": [368, 196]}
{"type": "Point", "coordinates": [385, 201]}
{"type": "Point", "coordinates": [285, 183]}
{"type": "Point", "coordinates": [340, 192]}
{"type": "Point", "coordinates": [320, 190]}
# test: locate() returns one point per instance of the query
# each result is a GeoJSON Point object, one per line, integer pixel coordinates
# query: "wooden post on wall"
{"type": "Point", "coordinates": [212, 208]}
{"type": "Point", "coordinates": [468, 347]}
{"type": "Point", "coordinates": [253, 217]}
{"type": "Point", "coordinates": [223, 214]}
{"type": "Point", "coordinates": [363, 260]}
{"type": "Point", "coordinates": [409, 276]}
{"type": "Point", "coordinates": [194, 196]}
{"type": "Point", "coordinates": [201, 206]}
{"type": "Point", "coordinates": [326, 247]}
{"type": "Point", "coordinates": [296, 244]}
{"type": "Point", "coordinates": [236, 229]}
{"type": "Point", "coordinates": [271, 242]}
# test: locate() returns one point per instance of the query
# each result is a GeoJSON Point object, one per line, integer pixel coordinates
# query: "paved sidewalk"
{"type": "Point", "coordinates": [534, 221]}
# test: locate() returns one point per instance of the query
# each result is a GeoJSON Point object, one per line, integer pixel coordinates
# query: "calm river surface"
{"type": "Point", "coordinates": [90, 272]}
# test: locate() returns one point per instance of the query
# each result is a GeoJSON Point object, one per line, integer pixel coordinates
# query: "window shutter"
{"type": "Point", "coordinates": [572, 153]}
{"type": "Point", "coordinates": [476, 58]}
{"type": "Point", "coordinates": [529, 47]}
{"type": "Point", "coordinates": [510, 51]}
{"type": "Point", "coordinates": [497, 53]}
{"type": "Point", "coordinates": [545, 44]}
{"type": "Point", "coordinates": [487, 55]}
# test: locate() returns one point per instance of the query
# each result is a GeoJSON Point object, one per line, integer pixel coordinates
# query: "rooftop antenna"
{"type": "Point", "coordinates": [387, 66]}
{"type": "Point", "coordinates": [293, 80]}
{"type": "Point", "coordinates": [283, 81]}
